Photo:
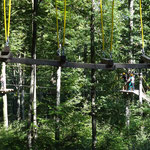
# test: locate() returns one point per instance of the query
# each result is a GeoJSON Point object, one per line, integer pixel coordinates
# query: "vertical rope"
{"type": "Point", "coordinates": [7, 29]}
{"type": "Point", "coordinates": [112, 26]}
{"type": "Point", "coordinates": [5, 20]}
{"type": "Point", "coordinates": [141, 25]}
{"type": "Point", "coordinates": [9, 17]}
{"type": "Point", "coordinates": [103, 42]}
{"type": "Point", "coordinates": [64, 23]}
{"type": "Point", "coordinates": [57, 25]}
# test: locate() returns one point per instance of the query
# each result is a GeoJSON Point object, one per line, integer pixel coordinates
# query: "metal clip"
{"type": "Point", "coordinates": [111, 55]}
{"type": "Point", "coordinates": [7, 42]}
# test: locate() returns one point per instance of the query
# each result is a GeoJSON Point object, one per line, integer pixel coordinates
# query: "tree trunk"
{"type": "Point", "coordinates": [22, 102]}
{"type": "Point", "coordinates": [140, 88]}
{"type": "Point", "coordinates": [131, 10]}
{"type": "Point", "coordinates": [3, 86]}
{"type": "Point", "coordinates": [127, 111]}
{"type": "Point", "coordinates": [58, 102]}
{"type": "Point", "coordinates": [32, 135]}
{"type": "Point", "coordinates": [93, 79]}
{"type": "Point", "coordinates": [19, 96]}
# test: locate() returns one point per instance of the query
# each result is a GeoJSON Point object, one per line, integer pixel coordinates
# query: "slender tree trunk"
{"type": "Point", "coordinates": [57, 134]}
{"type": "Point", "coordinates": [140, 88]}
{"type": "Point", "coordinates": [93, 80]}
{"type": "Point", "coordinates": [32, 135]}
{"type": "Point", "coordinates": [3, 86]}
{"type": "Point", "coordinates": [22, 102]}
{"type": "Point", "coordinates": [19, 96]}
{"type": "Point", "coordinates": [131, 10]}
{"type": "Point", "coordinates": [127, 111]}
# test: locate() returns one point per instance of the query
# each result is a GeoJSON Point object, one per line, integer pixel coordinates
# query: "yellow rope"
{"type": "Point", "coordinates": [64, 23]}
{"type": "Point", "coordinates": [102, 24]}
{"type": "Point", "coordinates": [141, 24]}
{"type": "Point", "coordinates": [5, 20]}
{"type": "Point", "coordinates": [57, 25]}
{"type": "Point", "coordinates": [112, 26]}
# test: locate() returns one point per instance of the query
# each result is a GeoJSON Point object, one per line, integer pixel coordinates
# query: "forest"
{"type": "Point", "coordinates": [53, 107]}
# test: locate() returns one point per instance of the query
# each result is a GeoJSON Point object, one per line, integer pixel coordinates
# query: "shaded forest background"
{"type": "Point", "coordinates": [112, 131]}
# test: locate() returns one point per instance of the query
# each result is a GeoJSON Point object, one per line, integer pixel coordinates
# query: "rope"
{"type": "Point", "coordinates": [102, 25]}
{"type": "Point", "coordinates": [112, 26]}
{"type": "Point", "coordinates": [141, 26]}
{"type": "Point", "coordinates": [57, 25]}
{"type": "Point", "coordinates": [64, 23]}
{"type": "Point", "coordinates": [7, 29]}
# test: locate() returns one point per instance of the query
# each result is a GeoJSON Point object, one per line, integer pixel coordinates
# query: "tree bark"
{"type": "Point", "coordinates": [131, 11]}
{"type": "Point", "coordinates": [140, 88]}
{"type": "Point", "coordinates": [57, 134]}
{"type": "Point", "coordinates": [3, 86]}
{"type": "Point", "coordinates": [93, 79]}
{"type": "Point", "coordinates": [19, 96]}
{"type": "Point", "coordinates": [32, 135]}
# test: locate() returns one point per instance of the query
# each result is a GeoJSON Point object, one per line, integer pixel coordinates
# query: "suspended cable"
{"type": "Point", "coordinates": [112, 27]}
{"type": "Point", "coordinates": [64, 23]}
{"type": "Point", "coordinates": [141, 26]}
{"type": "Point", "coordinates": [103, 42]}
{"type": "Point", "coordinates": [57, 24]}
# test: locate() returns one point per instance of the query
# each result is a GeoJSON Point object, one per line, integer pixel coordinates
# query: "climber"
{"type": "Point", "coordinates": [131, 82]}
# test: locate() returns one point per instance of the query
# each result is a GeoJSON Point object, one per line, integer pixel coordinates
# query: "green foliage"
{"type": "Point", "coordinates": [75, 108]}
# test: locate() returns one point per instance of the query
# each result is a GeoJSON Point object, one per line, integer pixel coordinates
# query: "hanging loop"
{"type": "Point", "coordinates": [143, 51]}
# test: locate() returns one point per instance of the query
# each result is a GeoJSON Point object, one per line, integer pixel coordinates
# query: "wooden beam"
{"type": "Point", "coordinates": [108, 62]}
{"type": "Point", "coordinates": [29, 61]}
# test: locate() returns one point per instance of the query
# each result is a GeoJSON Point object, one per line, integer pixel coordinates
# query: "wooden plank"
{"type": "Point", "coordinates": [132, 66]}
{"type": "Point", "coordinates": [130, 91]}
{"type": "Point", "coordinates": [29, 61]}
{"type": "Point", "coordinates": [145, 59]}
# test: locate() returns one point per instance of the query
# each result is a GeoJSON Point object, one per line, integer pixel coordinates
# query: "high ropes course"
{"type": "Point", "coordinates": [106, 64]}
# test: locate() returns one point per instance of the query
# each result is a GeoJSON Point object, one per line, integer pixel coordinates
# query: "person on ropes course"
{"type": "Point", "coordinates": [131, 82]}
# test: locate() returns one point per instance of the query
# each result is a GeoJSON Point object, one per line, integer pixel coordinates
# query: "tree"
{"type": "Point", "coordinates": [93, 79]}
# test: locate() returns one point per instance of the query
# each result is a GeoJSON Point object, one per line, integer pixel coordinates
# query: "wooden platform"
{"type": "Point", "coordinates": [6, 91]}
{"type": "Point", "coordinates": [144, 96]}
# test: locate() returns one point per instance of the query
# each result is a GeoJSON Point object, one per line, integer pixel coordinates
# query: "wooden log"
{"type": "Point", "coordinates": [145, 59]}
{"type": "Point", "coordinates": [55, 63]}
